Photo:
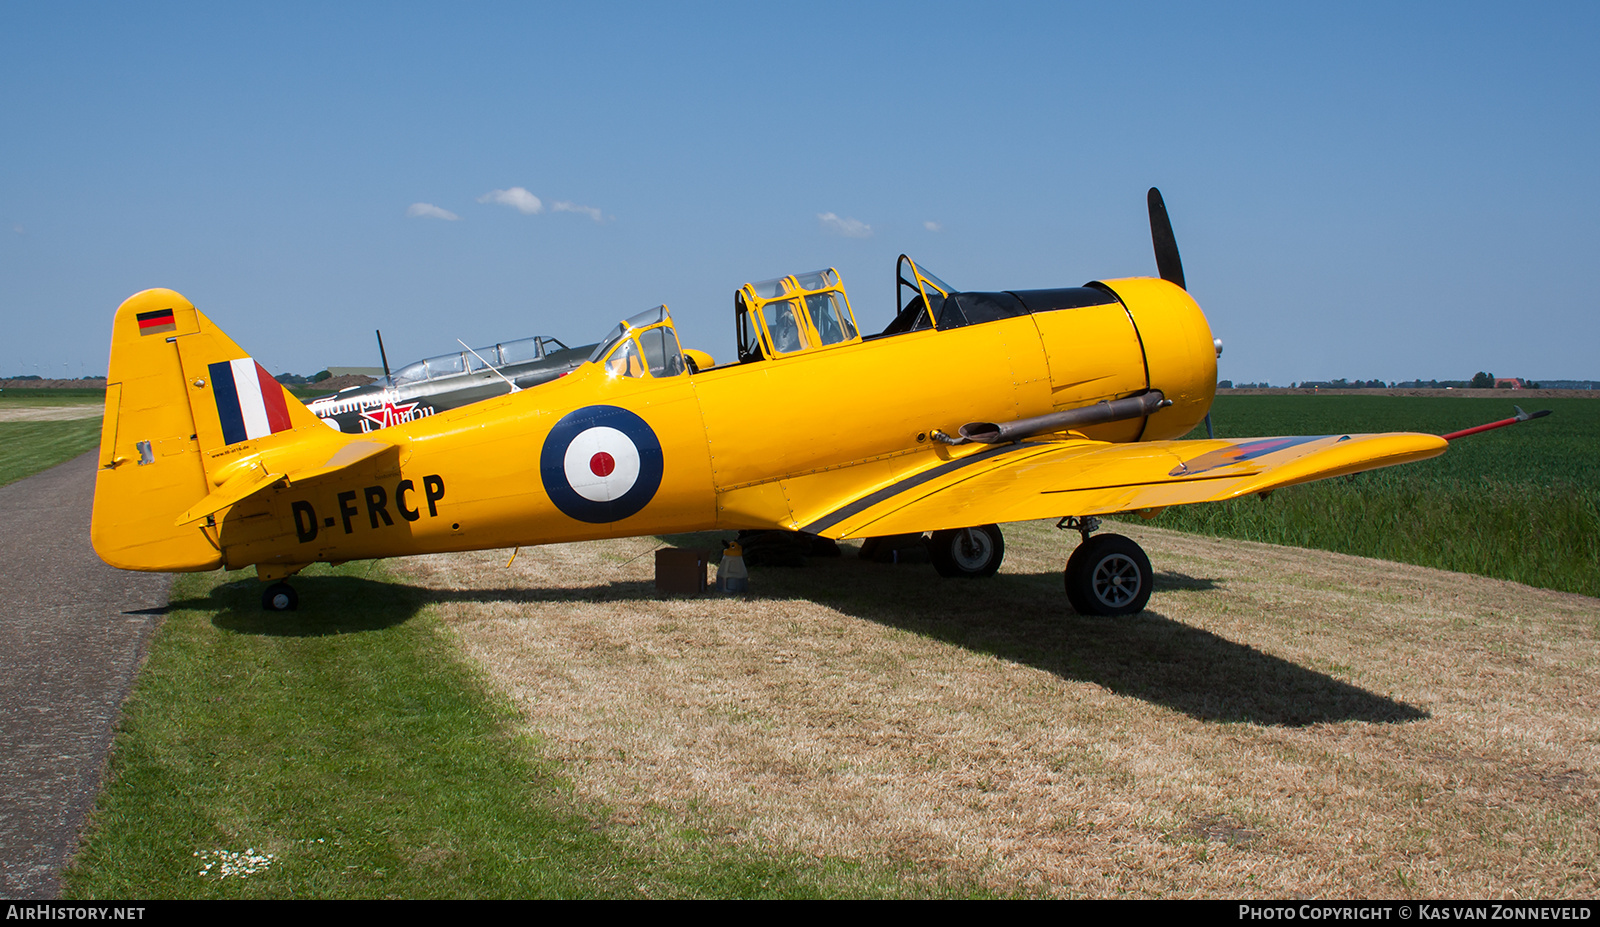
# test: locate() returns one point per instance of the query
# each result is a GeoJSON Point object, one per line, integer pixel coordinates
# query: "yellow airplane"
{"type": "Point", "coordinates": [970, 409]}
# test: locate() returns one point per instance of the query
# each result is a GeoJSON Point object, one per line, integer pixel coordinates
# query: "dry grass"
{"type": "Point", "coordinates": [1279, 723]}
{"type": "Point", "coordinates": [50, 413]}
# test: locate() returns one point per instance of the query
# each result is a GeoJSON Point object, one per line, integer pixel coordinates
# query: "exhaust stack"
{"type": "Point", "coordinates": [1101, 412]}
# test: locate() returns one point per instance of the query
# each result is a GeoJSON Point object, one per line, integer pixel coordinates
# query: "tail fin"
{"type": "Point", "coordinates": [184, 405]}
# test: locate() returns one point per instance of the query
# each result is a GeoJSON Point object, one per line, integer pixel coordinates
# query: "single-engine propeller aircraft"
{"type": "Point", "coordinates": [968, 410]}
{"type": "Point", "coordinates": [434, 384]}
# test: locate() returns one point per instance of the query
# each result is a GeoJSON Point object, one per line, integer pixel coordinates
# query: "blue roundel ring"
{"type": "Point", "coordinates": [614, 458]}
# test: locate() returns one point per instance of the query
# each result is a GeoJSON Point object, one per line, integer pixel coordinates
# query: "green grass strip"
{"type": "Point", "coordinates": [345, 750]}
{"type": "Point", "coordinates": [28, 447]}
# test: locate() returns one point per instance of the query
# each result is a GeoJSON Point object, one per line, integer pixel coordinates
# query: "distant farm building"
{"type": "Point", "coordinates": [1507, 383]}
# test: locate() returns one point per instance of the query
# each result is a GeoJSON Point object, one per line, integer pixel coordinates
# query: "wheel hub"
{"type": "Point", "coordinates": [972, 549]}
{"type": "Point", "coordinates": [1116, 580]}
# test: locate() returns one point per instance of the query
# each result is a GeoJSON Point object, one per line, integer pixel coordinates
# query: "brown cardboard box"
{"type": "Point", "coordinates": [681, 571]}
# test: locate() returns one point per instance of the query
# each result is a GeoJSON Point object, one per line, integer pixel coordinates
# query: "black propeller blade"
{"type": "Point", "coordinates": [1168, 264]}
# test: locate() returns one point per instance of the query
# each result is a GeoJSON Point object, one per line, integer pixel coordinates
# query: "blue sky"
{"type": "Point", "coordinates": [1382, 190]}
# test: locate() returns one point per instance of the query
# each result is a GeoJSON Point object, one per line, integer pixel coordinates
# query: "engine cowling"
{"type": "Point", "coordinates": [1180, 354]}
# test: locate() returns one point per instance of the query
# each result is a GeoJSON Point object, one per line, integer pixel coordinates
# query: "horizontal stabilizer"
{"type": "Point", "coordinates": [235, 490]}
{"type": "Point", "coordinates": [244, 486]}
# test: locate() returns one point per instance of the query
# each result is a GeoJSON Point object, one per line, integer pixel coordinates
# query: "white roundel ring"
{"type": "Point", "coordinates": [601, 464]}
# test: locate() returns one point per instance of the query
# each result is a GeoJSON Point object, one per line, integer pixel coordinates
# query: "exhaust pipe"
{"type": "Point", "coordinates": [1115, 410]}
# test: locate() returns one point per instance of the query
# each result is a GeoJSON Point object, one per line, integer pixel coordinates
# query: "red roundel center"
{"type": "Point", "coordinates": [602, 464]}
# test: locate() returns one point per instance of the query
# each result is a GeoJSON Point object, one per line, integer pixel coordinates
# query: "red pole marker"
{"type": "Point", "coordinates": [1521, 416]}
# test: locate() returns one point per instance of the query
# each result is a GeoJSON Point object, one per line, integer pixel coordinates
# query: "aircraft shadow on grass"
{"type": "Point", "coordinates": [330, 605]}
{"type": "Point", "coordinates": [1021, 617]}
{"type": "Point", "coordinates": [1012, 616]}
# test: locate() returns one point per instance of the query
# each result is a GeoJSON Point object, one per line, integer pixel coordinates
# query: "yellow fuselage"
{"type": "Point", "coordinates": [742, 446]}
{"type": "Point", "coordinates": [767, 444]}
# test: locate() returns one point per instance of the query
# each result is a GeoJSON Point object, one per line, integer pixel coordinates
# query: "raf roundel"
{"type": "Point", "coordinates": [601, 464]}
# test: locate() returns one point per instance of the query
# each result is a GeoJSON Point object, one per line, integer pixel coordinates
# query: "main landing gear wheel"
{"type": "Point", "coordinates": [1108, 575]}
{"type": "Point", "coordinates": [279, 597]}
{"type": "Point", "coordinates": [973, 553]}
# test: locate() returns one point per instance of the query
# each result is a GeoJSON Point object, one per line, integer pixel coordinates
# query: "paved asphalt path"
{"type": "Point", "coordinates": [73, 632]}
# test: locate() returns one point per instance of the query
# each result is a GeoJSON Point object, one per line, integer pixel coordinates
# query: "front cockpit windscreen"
{"type": "Point", "coordinates": [415, 372]}
{"type": "Point", "coordinates": [608, 342]}
{"type": "Point", "coordinates": [644, 343]}
{"type": "Point", "coordinates": [919, 297]}
{"type": "Point", "coordinates": [642, 320]}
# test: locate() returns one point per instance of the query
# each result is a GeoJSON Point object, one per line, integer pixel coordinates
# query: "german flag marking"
{"type": "Point", "coordinates": [154, 323]}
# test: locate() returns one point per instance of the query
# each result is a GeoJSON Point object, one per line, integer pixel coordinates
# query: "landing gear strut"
{"type": "Point", "coordinates": [279, 597]}
{"type": "Point", "coordinates": [1108, 574]}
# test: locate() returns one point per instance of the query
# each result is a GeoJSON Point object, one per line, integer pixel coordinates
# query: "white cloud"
{"type": "Point", "coordinates": [565, 206]}
{"type": "Point", "coordinates": [430, 211]}
{"type": "Point", "coordinates": [516, 197]}
{"type": "Point", "coordinates": [932, 226]}
{"type": "Point", "coordinates": [849, 228]}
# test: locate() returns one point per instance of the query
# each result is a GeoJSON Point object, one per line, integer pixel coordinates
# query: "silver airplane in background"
{"type": "Point", "coordinates": [435, 384]}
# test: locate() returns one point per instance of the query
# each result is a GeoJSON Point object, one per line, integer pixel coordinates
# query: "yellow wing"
{"type": "Point", "coordinates": [1059, 476]}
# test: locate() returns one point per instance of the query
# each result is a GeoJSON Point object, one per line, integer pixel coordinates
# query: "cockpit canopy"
{"type": "Point", "coordinates": [924, 301]}
{"type": "Point", "coordinates": [792, 315]}
{"type": "Point", "coordinates": [504, 354]}
{"type": "Point", "coordinates": [641, 345]}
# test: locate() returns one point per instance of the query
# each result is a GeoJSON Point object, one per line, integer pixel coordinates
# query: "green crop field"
{"type": "Point", "coordinates": [1520, 503]}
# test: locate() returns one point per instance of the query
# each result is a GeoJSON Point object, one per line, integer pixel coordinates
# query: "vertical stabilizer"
{"type": "Point", "coordinates": [185, 409]}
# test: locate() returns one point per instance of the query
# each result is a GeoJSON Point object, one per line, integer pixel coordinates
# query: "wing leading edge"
{"type": "Point", "coordinates": [1070, 476]}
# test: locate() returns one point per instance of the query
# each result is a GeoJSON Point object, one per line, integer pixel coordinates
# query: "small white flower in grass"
{"type": "Point", "coordinates": [233, 863]}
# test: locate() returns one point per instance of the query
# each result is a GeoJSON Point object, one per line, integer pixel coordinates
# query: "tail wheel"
{"type": "Point", "coordinates": [1108, 575]}
{"type": "Point", "coordinates": [973, 553]}
{"type": "Point", "coordinates": [279, 597]}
